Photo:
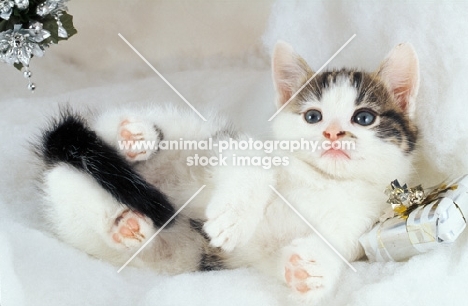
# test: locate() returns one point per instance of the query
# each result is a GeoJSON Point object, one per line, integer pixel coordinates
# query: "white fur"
{"type": "Point", "coordinates": [341, 198]}
{"type": "Point", "coordinates": [84, 215]}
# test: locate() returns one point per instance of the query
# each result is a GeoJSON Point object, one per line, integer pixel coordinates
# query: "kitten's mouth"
{"type": "Point", "coordinates": [336, 153]}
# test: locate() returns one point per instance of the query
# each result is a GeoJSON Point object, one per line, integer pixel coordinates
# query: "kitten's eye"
{"type": "Point", "coordinates": [364, 118]}
{"type": "Point", "coordinates": [313, 116]}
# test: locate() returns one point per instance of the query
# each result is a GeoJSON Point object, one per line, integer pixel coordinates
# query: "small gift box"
{"type": "Point", "coordinates": [416, 223]}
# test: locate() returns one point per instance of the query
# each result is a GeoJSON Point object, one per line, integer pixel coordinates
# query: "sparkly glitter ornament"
{"type": "Point", "coordinates": [19, 45]}
{"type": "Point", "coordinates": [61, 30]}
{"type": "Point", "coordinates": [22, 4]}
{"type": "Point", "coordinates": [51, 7]}
{"type": "Point", "coordinates": [38, 32]}
{"type": "Point", "coordinates": [54, 8]}
{"type": "Point", "coordinates": [31, 26]}
{"type": "Point", "coordinates": [27, 75]}
{"type": "Point", "coordinates": [6, 8]}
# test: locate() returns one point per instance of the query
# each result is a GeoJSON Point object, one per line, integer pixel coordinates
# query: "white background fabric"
{"type": "Point", "coordinates": [213, 53]}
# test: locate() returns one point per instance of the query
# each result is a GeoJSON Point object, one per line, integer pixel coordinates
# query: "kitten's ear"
{"type": "Point", "coordinates": [290, 72]}
{"type": "Point", "coordinates": [400, 70]}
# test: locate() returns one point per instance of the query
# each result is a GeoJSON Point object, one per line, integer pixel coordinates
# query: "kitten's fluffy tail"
{"type": "Point", "coordinates": [69, 140]}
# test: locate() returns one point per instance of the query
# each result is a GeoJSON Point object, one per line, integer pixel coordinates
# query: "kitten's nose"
{"type": "Point", "coordinates": [333, 132]}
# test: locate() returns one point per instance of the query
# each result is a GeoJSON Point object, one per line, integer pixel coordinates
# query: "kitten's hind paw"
{"type": "Point", "coordinates": [138, 140]}
{"type": "Point", "coordinates": [311, 274]}
{"type": "Point", "coordinates": [131, 230]}
{"type": "Point", "coordinates": [303, 276]}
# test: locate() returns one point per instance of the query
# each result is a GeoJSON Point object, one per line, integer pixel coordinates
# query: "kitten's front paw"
{"type": "Point", "coordinates": [237, 206]}
{"type": "Point", "coordinates": [130, 230]}
{"type": "Point", "coordinates": [310, 276]}
{"type": "Point", "coordinates": [229, 225]}
{"type": "Point", "coordinates": [138, 139]}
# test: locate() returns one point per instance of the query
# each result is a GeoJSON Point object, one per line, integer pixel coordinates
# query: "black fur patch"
{"type": "Point", "coordinates": [356, 79]}
{"type": "Point", "coordinates": [197, 225]}
{"type": "Point", "coordinates": [211, 262]}
{"type": "Point", "coordinates": [394, 125]}
{"type": "Point", "coordinates": [211, 259]}
{"type": "Point", "coordinates": [70, 141]}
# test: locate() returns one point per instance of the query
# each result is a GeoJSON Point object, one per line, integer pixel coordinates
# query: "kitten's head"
{"type": "Point", "coordinates": [372, 110]}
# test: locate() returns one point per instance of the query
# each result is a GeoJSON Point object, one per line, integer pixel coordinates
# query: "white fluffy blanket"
{"type": "Point", "coordinates": [99, 71]}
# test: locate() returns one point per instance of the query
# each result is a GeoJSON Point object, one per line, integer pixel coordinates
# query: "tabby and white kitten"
{"type": "Point", "coordinates": [98, 198]}
{"type": "Point", "coordinates": [340, 192]}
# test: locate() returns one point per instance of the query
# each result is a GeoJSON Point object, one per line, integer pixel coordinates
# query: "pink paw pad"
{"type": "Point", "coordinates": [297, 276]}
{"type": "Point", "coordinates": [134, 134]}
{"type": "Point", "coordinates": [127, 226]}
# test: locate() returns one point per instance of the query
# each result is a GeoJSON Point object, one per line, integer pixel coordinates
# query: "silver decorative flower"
{"type": "Point", "coordinates": [22, 4]}
{"type": "Point", "coordinates": [6, 8]}
{"type": "Point", "coordinates": [19, 45]}
{"type": "Point", "coordinates": [52, 7]}
{"type": "Point", "coordinates": [37, 31]}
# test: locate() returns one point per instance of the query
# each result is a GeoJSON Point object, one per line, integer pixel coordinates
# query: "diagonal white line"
{"type": "Point", "coordinates": [159, 230]}
{"type": "Point", "coordinates": [161, 76]}
{"type": "Point", "coordinates": [308, 81]}
{"type": "Point", "coordinates": [313, 228]}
